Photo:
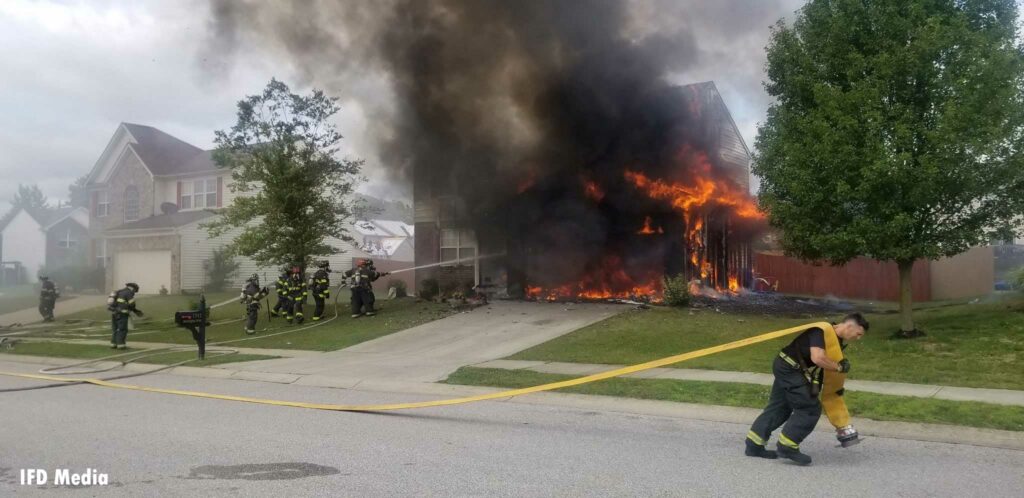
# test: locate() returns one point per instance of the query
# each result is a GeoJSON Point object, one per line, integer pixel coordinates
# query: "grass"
{"type": "Point", "coordinates": [970, 345]}
{"type": "Point", "coordinates": [20, 297]}
{"type": "Point", "coordinates": [158, 309]}
{"type": "Point", "coordinates": [393, 316]}
{"type": "Point", "coordinates": [861, 404]}
{"type": "Point", "coordinates": [93, 351]}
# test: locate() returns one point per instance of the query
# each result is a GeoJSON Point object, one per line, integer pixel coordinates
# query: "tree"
{"type": "Point", "coordinates": [77, 192]}
{"type": "Point", "coordinates": [31, 199]}
{"type": "Point", "coordinates": [294, 192]}
{"type": "Point", "coordinates": [896, 131]}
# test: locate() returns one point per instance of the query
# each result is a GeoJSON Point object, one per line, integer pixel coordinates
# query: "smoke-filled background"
{"type": "Point", "coordinates": [514, 108]}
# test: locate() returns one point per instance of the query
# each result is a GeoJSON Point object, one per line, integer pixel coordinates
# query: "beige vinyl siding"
{"type": "Point", "coordinates": [197, 248]}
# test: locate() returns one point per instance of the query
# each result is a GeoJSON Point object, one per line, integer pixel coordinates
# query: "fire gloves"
{"type": "Point", "coordinates": [844, 366]}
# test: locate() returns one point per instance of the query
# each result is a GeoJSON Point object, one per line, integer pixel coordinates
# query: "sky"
{"type": "Point", "coordinates": [74, 70]}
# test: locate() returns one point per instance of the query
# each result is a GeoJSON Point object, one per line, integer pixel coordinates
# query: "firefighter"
{"type": "Point", "coordinates": [47, 298]}
{"type": "Point", "coordinates": [361, 280]}
{"type": "Point", "coordinates": [120, 304]}
{"type": "Point", "coordinates": [251, 296]}
{"type": "Point", "coordinates": [321, 288]}
{"type": "Point", "coordinates": [281, 288]}
{"type": "Point", "coordinates": [296, 297]}
{"type": "Point", "coordinates": [794, 400]}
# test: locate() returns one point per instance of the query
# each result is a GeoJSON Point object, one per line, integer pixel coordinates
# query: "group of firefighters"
{"type": "Point", "coordinates": [293, 290]}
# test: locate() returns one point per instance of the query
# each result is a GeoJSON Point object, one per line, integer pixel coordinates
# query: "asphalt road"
{"type": "Point", "coordinates": [159, 445]}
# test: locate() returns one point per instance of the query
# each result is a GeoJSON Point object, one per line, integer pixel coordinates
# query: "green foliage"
{"type": "Point", "coordinates": [677, 291]}
{"type": "Point", "coordinates": [295, 192]}
{"type": "Point", "coordinates": [220, 269]}
{"type": "Point", "coordinates": [429, 289]}
{"type": "Point", "coordinates": [31, 199]}
{"type": "Point", "coordinates": [1016, 278]}
{"type": "Point", "coordinates": [78, 193]}
{"type": "Point", "coordinates": [401, 290]}
{"type": "Point", "coordinates": [897, 128]}
{"type": "Point", "coordinates": [449, 288]}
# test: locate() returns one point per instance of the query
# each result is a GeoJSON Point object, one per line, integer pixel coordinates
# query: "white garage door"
{"type": "Point", "coordinates": [149, 269]}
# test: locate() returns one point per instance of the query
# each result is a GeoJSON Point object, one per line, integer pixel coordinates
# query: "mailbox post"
{"type": "Point", "coordinates": [195, 321]}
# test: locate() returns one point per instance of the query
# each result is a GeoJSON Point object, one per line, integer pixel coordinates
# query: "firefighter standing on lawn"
{"type": "Point", "coordinates": [47, 298]}
{"type": "Point", "coordinates": [120, 304]}
{"type": "Point", "coordinates": [794, 401]}
{"type": "Point", "coordinates": [296, 297]}
{"type": "Point", "coordinates": [251, 296]}
{"type": "Point", "coordinates": [361, 280]}
{"type": "Point", "coordinates": [321, 288]}
{"type": "Point", "coordinates": [281, 288]}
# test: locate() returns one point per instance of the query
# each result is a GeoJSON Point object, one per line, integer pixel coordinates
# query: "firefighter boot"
{"type": "Point", "coordinates": [757, 450]}
{"type": "Point", "coordinates": [793, 454]}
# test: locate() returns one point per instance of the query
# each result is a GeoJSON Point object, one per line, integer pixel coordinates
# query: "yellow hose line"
{"type": "Point", "coordinates": [454, 401]}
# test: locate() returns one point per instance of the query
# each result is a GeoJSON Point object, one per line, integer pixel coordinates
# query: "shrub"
{"type": "Point", "coordinates": [399, 286]}
{"type": "Point", "coordinates": [677, 291]}
{"type": "Point", "coordinates": [220, 269]}
{"type": "Point", "coordinates": [449, 288]}
{"type": "Point", "coordinates": [1016, 278]}
{"type": "Point", "coordinates": [429, 289]}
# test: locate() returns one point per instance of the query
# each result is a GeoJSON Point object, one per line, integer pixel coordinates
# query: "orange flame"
{"type": "Point", "coordinates": [593, 191]}
{"type": "Point", "coordinates": [647, 229]}
{"type": "Point", "coordinates": [734, 284]}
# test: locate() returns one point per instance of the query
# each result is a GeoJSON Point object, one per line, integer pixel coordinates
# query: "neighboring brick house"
{"type": "Point", "coordinates": [149, 192]}
{"type": "Point", "coordinates": [67, 238]}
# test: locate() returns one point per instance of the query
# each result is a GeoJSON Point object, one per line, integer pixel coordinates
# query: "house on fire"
{"type": "Point", "coordinates": [149, 194]}
{"type": "Point", "coordinates": [707, 246]}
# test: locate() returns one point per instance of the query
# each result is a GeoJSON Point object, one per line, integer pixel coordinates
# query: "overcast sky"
{"type": "Point", "coordinates": [73, 70]}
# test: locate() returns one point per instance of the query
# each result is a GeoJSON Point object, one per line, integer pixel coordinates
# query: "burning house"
{"type": "Point", "coordinates": [609, 229]}
{"type": "Point", "coordinates": [550, 148]}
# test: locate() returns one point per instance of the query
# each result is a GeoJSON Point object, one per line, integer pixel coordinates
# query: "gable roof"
{"type": "Point", "coordinates": [13, 213]}
{"type": "Point", "coordinates": [79, 214]}
{"type": "Point", "coordinates": [161, 153]}
{"type": "Point", "coordinates": [164, 154]}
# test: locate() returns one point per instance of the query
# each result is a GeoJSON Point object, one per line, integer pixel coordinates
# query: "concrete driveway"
{"type": "Point", "coordinates": [429, 352]}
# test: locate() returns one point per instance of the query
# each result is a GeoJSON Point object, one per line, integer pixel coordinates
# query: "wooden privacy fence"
{"type": "Point", "coordinates": [861, 278]}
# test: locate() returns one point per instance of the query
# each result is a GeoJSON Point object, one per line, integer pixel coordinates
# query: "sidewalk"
{"type": "Point", "coordinates": [996, 396]}
{"type": "Point", "coordinates": [65, 307]}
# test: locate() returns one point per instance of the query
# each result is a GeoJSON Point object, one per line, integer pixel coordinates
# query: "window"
{"type": "Point", "coordinates": [101, 253]}
{"type": "Point", "coordinates": [131, 203]}
{"type": "Point", "coordinates": [458, 245]}
{"type": "Point", "coordinates": [196, 194]}
{"type": "Point", "coordinates": [102, 204]}
{"type": "Point", "coordinates": [66, 242]}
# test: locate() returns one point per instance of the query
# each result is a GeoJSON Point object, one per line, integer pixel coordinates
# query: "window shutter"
{"type": "Point", "coordinates": [179, 195]}
{"type": "Point", "coordinates": [220, 191]}
{"type": "Point", "coordinates": [95, 203]}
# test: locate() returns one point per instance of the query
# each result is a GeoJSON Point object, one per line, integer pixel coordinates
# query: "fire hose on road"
{"type": "Point", "coordinates": [453, 401]}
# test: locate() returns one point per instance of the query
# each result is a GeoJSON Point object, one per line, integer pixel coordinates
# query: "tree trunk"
{"type": "Point", "coordinates": [907, 329]}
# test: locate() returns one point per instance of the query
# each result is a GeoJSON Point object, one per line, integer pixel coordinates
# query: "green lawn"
{"type": "Point", "coordinates": [393, 316]}
{"type": "Point", "coordinates": [972, 345]}
{"type": "Point", "coordinates": [861, 404]}
{"type": "Point", "coordinates": [18, 298]}
{"type": "Point", "coordinates": [158, 309]}
{"type": "Point", "coordinates": [92, 351]}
